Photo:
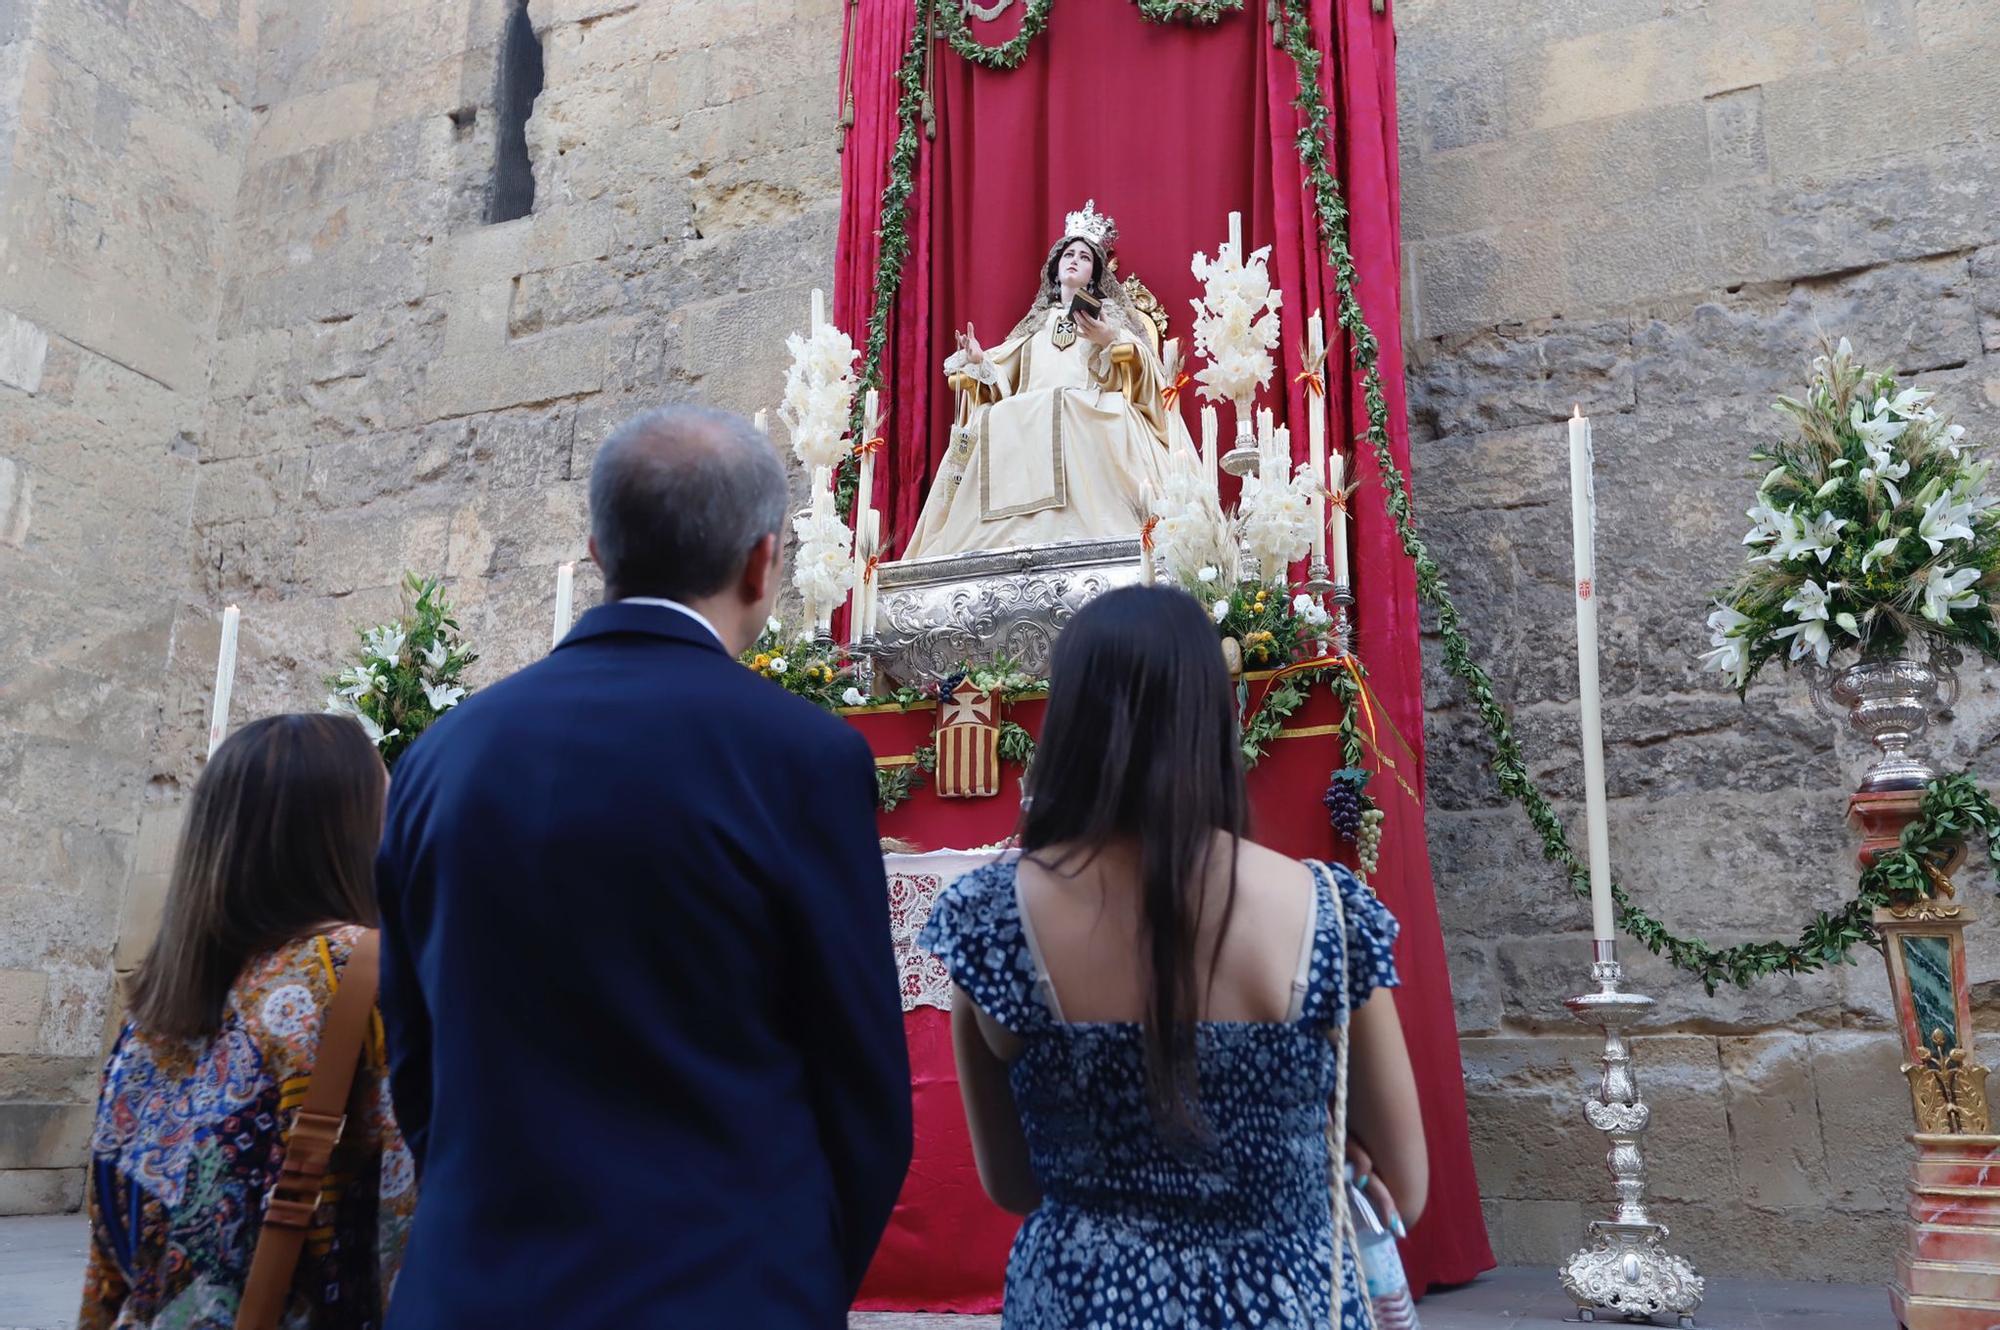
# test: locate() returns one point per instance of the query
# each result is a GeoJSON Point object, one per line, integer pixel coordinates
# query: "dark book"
{"type": "Point", "coordinates": [1085, 303]}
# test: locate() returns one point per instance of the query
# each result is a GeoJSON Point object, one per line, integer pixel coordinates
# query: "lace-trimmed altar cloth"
{"type": "Point", "coordinates": [915, 883]}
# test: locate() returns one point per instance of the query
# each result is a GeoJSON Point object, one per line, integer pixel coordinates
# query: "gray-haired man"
{"type": "Point", "coordinates": [644, 1029]}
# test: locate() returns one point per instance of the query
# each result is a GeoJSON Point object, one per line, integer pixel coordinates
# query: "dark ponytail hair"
{"type": "Point", "coordinates": [1141, 743]}
{"type": "Point", "coordinates": [280, 843]}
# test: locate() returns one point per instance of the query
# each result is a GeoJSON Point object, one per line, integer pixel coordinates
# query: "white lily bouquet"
{"type": "Point", "coordinates": [409, 674]}
{"type": "Point", "coordinates": [1872, 527]}
{"type": "Point", "coordinates": [1235, 323]}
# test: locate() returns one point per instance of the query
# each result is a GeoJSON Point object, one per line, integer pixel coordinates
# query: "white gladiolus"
{"type": "Point", "coordinates": [1235, 323]}
{"type": "Point", "coordinates": [819, 394]}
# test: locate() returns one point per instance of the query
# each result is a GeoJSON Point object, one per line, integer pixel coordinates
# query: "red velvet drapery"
{"type": "Point", "coordinates": [1169, 128]}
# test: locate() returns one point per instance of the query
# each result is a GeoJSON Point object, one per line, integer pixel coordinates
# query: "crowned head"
{"type": "Point", "coordinates": [1081, 258]}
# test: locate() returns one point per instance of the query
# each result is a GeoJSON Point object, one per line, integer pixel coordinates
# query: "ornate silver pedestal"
{"type": "Point", "coordinates": [935, 614]}
{"type": "Point", "coordinates": [1626, 1273]}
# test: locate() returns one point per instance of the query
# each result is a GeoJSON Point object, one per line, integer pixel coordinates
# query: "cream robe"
{"type": "Point", "coordinates": [1051, 445]}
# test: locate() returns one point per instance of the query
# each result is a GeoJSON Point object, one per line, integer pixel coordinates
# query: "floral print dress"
{"type": "Point", "coordinates": [189, 1136]}
{"type": "Point", "coordinates": [1134, 1231]}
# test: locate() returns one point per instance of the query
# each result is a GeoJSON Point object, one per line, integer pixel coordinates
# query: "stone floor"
{"type": "Point", "coordinates": [41, 1266]}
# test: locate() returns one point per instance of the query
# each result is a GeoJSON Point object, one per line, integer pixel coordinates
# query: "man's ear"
{"type": "Point", "coordinates": [760, 570]}
{"type": "Point", "coordinates": [593, 554]}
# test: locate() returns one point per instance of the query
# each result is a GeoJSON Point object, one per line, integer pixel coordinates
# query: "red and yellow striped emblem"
{"type": "Point", "coordinates": [968, 746]}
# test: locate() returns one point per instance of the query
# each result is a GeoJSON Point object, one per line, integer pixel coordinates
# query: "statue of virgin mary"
{"type": "Point", "coordinates": [1060, 431]}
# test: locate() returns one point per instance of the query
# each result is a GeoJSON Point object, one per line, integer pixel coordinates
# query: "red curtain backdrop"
{"type": "Point", "coordinates": [1169, 128]}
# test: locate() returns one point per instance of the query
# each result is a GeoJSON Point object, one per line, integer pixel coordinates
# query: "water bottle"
{"type": "Point", "coordinates": [1385, 1284]}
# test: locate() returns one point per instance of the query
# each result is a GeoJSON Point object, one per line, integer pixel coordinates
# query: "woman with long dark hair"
{"type": "Point", "coordinates": [272, 892]}
{"type": "Point", "coordinates": [1147, 1005]}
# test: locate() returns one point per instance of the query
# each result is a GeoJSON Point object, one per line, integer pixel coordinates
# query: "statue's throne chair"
{"type": "Point", "coordinates": [938, 613]}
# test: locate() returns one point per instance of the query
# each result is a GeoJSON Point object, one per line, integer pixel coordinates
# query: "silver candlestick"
{"type": "Point", "coordinates": [1626, 1273]}
{"type": "Point", "coordinates": [864, 651]}
{"type": "Point", "coordinates": [1319, 580]}
{"type": "Point", "coordinates": [1343, 619]}
{"type": "Point", "coordinates": [1242, 459]}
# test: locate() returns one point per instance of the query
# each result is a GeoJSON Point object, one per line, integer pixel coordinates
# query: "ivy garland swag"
{"type": "Point", "coordinates": [1952, 807]}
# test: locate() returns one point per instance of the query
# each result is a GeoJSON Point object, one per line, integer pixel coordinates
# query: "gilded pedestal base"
{"type": "Point", "coordinates": [1948, 1272]}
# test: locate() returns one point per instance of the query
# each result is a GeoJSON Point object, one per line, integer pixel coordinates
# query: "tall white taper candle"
{"type": "Point", "coordinates": [1236, 234]}
{"type": "Point", "coordinates": [1211, 447]}
{"type": "Point", "coordinates": [761, 422]}
{"type": "Point", "coordinates": [225, 680]}
{"type": "Point", "coordinates": [565, 601]}
{"type": "Point", "coordinates": [818, 309]}
{"type": "Point", "coordinates": [871, 425]}
{"type": "Point", "coordinates": [874, 584]}
{"type": "Point", "coordinates": [1590, 704]}
{"type": "Point", "coordinates": [1336, 470]}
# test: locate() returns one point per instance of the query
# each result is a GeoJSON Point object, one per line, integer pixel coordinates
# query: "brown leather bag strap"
{"type": "Point", "coordinates": [294, 1197]}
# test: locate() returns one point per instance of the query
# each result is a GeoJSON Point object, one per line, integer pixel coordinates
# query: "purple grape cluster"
{"type": "Point", "coordinates": [1343, 808]}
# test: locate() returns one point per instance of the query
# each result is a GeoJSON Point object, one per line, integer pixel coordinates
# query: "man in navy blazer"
{"type": "Point", "coordinates": [644, 1029]}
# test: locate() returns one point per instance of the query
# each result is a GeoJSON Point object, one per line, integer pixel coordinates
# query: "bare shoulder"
{"type": "Point", "coordinates": [1270, 870]}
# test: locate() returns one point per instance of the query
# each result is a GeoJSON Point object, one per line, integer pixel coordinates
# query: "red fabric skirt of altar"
{"type": "Point", "coordinates": [946, 1248]}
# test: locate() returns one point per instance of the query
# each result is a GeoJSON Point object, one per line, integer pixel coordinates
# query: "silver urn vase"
{"type": "Point", "coordinates": [1889, 701]}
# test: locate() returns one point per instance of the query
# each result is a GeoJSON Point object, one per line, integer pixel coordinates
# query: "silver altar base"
{"type": "Point", "coordinates": [937, 613]}
{"type": "Point", "coordinates": [1889, 701]}
{"type": "Point", "coordinates": [1626, 1273]}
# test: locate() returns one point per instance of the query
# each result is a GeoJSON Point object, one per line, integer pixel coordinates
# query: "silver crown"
{"type": "Point", "coordinates": [1092, 225]}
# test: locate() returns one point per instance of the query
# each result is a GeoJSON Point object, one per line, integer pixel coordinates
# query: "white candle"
{"type": "Point", "coordinates": [1317, 336]}
{"type": "Point", "coordinates": [1236, 235]}
{"type": "Point", "coordinates": [1171, 355]}
{"type": "Point", "coordinates": [1336, 475]}
{"type": "Point", "coordinates": [1281, 451]}
{"type": "Point", "coordinates": [819, 309]}
{"type": "Point", "coordinates": [1147, 572]}
{"type": "Point", "coordinates": [225, 680]}
{"type": "Point", "coordinates": [565, 601]}
{"type": "Point", "coordinates": [875, 581]}
{"type": "Point", "coordinates": [1590, 704]}
{"type": "Point", "coordinates": [871, 417]}
{"type": "Point", "coordinates": [761, 422]}
{"type": "Point", "coordinates": [1210, 446]}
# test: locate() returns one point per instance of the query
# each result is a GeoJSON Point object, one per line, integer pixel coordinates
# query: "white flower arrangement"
{"type": "Point", "coordinates": [823, 568]}
{"type": "Point", "coordinates": [409, 672]}
{"type": "Point", "coordinates": [1193, 536]}
{"type": "Point", "coordinates": [819, 395]}
{"type": "Point", "coordinates": [1235, 323]}
{"type": "Point", "coordinates": [1276, 517]}
{"type": "Point", "coordinates": [1871, 526]}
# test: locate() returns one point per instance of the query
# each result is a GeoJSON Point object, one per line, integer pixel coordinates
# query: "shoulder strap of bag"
{"type": "Point", "coordinates": [1344, 1237]}
{"type": "Point", "coordinates": [294, 1197]}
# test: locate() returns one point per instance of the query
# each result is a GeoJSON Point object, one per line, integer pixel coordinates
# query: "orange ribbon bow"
{"type": "Point", "coordinates": [868, 569]}
{"type": "Point", "coordinates": [874, 445]}
{"type": "Point", "coordinates": [1171, 394]}
{"type": "Point", "coordinates": [1312, 379]}
{"type": "Point", "coordinates": [1146, 533]}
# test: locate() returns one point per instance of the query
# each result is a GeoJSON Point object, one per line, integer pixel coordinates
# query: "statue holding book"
{"type": "Point", "coordinates": [1064, 431]}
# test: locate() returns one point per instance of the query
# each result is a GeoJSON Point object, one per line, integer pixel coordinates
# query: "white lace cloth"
{"type": "Point", "coordinates": [915, 883]}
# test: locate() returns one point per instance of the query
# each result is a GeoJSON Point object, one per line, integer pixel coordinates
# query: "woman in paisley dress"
{"type": "Point", "coordinates": [271, 886]}
{"type": "Point", "coordinates": [1145, 1010]}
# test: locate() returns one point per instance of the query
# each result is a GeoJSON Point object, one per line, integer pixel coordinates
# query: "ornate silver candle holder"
{"type": "Point", "coordinates": [1626, 1273]}
{"type": "Point", "coordinates": [1242, 458]}
{"type": "Point", "coordinates": [1343, 619]}
{"type": "Point", "coordinates": [865, 650]}
{"type": "Point", "coordinates": [1319, 579]}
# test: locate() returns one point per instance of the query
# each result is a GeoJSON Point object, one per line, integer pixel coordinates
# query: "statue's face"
{"type": "Point", "coordinates": [1074, 268]}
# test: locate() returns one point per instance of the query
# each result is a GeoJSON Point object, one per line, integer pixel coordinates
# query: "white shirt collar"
{"type": "Point", "coordinates": [694, 614]}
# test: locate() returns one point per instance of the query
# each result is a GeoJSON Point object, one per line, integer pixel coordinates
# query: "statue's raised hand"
{"type": "Point", "coordinates": [974, 352]}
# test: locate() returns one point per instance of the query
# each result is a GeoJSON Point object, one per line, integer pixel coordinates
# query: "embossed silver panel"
{"type": "Point", "coordinates": [939, 612]}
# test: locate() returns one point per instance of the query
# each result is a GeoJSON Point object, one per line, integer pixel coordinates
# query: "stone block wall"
{"type": "Point", "coordinates": [259, 344]}
{"type": "Point", "coordinates": [1655, 210]}
{"type": "Point", "coordinates": [122, 129]}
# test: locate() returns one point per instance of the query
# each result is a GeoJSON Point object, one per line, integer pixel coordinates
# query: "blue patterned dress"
{"type": "Point", "coordinates": [1133, 1232]}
